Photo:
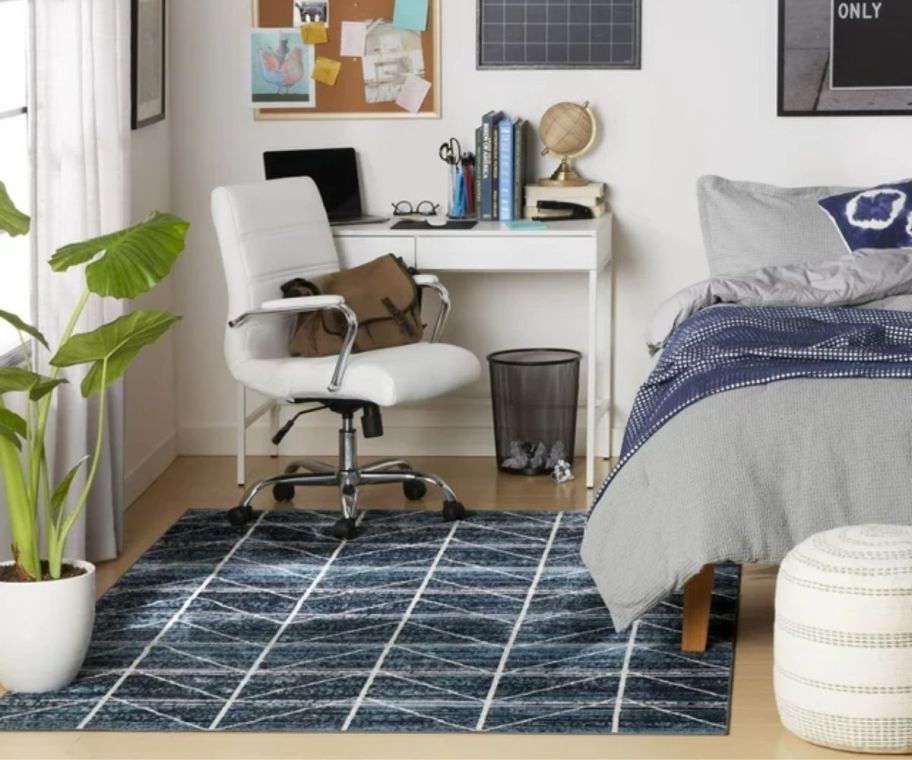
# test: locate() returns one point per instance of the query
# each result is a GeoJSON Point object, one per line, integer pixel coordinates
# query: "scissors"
{"type": "Point", "coordinates": [451, 152]}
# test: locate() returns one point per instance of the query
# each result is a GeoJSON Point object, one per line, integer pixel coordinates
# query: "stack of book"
{"type": "Point", "coordinates": [500, 150]}
{"type": "Point", "coordinates": [592, 196]}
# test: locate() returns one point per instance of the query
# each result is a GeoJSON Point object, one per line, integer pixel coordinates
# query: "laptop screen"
{"type": "Point", "coordinates": [334, 170]}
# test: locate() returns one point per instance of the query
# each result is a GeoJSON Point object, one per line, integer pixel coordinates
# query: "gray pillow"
{"type": "Point", "coordinates": [747, 225]}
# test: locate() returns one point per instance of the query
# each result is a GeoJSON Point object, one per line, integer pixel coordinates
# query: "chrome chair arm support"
{"type": "Point", "coordinates": [317, 303]}
{"type": "Point", "coordinates": [431, 282]}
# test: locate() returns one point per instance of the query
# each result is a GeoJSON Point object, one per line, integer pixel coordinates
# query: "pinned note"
{"type": "Point", "coordinates": [326, 70]}
{"type": "Point", "coordinates": [413, 92]}
{"type": "Point", "coordinates": [354, 35]}
{"type": "Point", "coordinates": [411, 14]}
{"type": "Point", "coordinates": [314, 34]}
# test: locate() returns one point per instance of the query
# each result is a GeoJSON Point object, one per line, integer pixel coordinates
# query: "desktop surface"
{"type": "Point", "coordinates": [578, 227]}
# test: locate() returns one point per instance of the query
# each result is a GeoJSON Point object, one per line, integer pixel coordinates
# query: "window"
{"type": "Point", "coordinates": [15, 166]}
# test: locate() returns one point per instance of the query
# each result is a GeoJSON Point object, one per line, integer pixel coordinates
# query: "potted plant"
{"type": "Point", "coordinates": [47, 602]}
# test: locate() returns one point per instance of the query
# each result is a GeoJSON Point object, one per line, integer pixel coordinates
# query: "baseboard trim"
{"type": "Point", "coordinates": [436, 440]}
{"type": "Point", "coordinates": [149, 469]}
{"type": "Point", "coordinates": [455, 427]}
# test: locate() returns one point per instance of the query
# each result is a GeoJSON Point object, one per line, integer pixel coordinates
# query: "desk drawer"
{"type": "Point", "coordinates": [512, 253]}
{"type": "Point", "coordinates": [359, 250]}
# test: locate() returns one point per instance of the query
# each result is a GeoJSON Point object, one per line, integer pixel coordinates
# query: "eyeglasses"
{"type": "Point", "coordinates": [405, 208]}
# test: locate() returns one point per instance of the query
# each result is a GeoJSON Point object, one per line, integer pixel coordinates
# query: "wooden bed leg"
{"type": "Point", "coordinates": [697, 601]}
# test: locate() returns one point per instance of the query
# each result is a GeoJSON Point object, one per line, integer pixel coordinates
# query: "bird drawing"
{"type": "Point", "coordinates": [283, 69]}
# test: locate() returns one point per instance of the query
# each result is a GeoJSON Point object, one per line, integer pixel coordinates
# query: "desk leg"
{"type": "Point", "coordinates": [591, 373]}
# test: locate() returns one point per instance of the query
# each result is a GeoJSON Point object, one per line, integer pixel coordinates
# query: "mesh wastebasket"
{"type": "Point", "coordinates": [535, 393]}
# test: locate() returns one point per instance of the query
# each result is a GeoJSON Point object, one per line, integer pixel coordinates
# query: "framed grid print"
{"type": "Point", "coordinates": [559, 34]}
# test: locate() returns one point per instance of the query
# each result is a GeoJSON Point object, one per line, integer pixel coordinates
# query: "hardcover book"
{"type": "Point", "coordinates": [505, 157]}
{"type": "Point", "coordinates": [489, 124]}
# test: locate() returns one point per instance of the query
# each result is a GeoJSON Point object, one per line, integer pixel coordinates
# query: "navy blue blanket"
{"type": "Point", "coordinates": [728, 347]}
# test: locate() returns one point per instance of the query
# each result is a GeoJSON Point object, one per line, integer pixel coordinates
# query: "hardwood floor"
{"type": "Point", "coordinates": [194, 482]}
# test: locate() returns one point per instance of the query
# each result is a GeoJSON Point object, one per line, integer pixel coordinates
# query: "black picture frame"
{"type": "Point", "coordinates": [782, 107]}
{"type": "Point", "coordinates": [139, 116]}
{"type": "Point", "coordinates": [482, 64]}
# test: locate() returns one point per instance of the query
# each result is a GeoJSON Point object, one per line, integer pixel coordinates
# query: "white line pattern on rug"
{"type": "Point", "coordinates": [622, 681]}
{"type": "Point", "coordinates": [169, 625]}
{"type": "Point", "coordinates": [561, 674]}
{"type": "Point", "coordinates": [489, 700]}
{"type": "Point", "coordinates": [278, 634]}
{"type": "Point", "coordinates": [402, 623]}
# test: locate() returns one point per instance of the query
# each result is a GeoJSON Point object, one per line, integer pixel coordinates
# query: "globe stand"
{"type": "Point", "coordinates": [564, 176]}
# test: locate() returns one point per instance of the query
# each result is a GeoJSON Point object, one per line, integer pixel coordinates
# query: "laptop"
{"type": "Point", "coordinates": [335, 172]}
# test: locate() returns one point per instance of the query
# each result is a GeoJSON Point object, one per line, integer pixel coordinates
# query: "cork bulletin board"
{"type": "Point", "coordinates": [347, 99]}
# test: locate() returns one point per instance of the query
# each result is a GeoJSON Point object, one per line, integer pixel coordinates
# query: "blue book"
{"type": "Point", "coordinates": [505, 170]}
{"type": "Point", "coordinates": [489, 129]}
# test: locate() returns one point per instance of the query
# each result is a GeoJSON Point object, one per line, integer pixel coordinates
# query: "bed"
{"type": "Point", "coordinates": [777, 406]}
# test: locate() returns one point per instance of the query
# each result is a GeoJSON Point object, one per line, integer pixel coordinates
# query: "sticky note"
{"type": "Point", "coordinates": [314, 34]}
{"type": "Point", "coordinates": [413, 92]}
{"type": "Point", "coordinates": [411, 14]}
{"type": "Point", "coordinates": [354, 34]}
{"type": "Point", "coordinates": [326, 70]}
{"type": "Point", "coordinates": [525, 224]}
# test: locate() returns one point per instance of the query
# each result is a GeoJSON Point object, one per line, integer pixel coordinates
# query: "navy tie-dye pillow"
{"type": "Point", "coordinates": [877, 218]}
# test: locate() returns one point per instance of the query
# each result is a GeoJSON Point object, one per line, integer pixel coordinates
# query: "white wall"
{"type": "Point", "coordinates": [151, 407]}
{"type": "Point", "coordinates": [704, 102]}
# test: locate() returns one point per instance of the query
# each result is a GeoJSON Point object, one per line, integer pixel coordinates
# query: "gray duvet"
{"type": "Point", "coordinates": [747, 474]}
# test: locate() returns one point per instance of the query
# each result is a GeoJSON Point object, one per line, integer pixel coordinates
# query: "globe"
{"type": "Point", "coordinates": [568, 130]}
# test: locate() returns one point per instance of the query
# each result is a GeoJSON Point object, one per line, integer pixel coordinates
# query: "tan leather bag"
{"type": "Point", "coordinates": [382, 294]}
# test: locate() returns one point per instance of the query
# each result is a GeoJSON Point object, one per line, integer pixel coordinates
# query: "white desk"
{"type": "Point", "coordinates": [583, 247]}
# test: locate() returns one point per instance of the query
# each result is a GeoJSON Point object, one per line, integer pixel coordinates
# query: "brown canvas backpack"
{"type": "Point", "coordinates": [382, 294]}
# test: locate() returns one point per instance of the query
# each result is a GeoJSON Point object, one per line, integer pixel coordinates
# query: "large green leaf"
{"type": "Point", "coordinates": [12, 427]}
{"type": "Point", "coordinates": [116, 343]}
{"type": "Point", "coordinates": [12, 220]}
{"type": "Point", "coordinates": [19, 380]}
{"type": "Point", "coordinates": [16, 322]}
{"type": "Point", "coordinates": [133, 260]}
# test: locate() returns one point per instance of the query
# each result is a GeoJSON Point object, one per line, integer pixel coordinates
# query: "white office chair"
{"type": "Point", "coordinates": [272, 232]}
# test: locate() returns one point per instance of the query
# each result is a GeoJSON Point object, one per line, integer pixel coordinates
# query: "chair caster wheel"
{"type": "Point", "coordinates": [414, 490]}
{"type": "Point", "coordinates": [240, 516]}
{"type": "Point", "coordinates": [345, 529]}
{"type": "Point", "coordinates": [283, 492]}
{"type": "Point", "coordinates": [453, 510]}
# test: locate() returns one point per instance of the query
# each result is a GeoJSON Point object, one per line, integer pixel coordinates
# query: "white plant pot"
{"type": "Point", "coordinates": [45, 629]}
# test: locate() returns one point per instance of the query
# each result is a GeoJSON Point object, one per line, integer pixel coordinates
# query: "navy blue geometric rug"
{"type": "Point", "coordinates": [491, 624]}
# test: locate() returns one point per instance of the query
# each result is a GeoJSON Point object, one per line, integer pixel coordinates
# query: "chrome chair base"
{"type": "Point", "coordinates": [349, 477]}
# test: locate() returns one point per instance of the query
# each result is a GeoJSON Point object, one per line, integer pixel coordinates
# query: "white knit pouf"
{"type": "Point", "coordinates": [843, 639]}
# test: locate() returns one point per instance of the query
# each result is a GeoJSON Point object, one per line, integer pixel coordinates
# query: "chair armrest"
{"type": "Point", "coordinates": [303, 303]}
{"type": "Point", "coordinates": [432, 282]}
{"type": "Point", "coordinates": [306, 304]}
{"type": "Point", "coordinates": [290, 305]}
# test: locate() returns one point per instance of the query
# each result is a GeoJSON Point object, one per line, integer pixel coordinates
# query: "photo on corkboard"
{"type": "Point", "coordinates": [310, 12]}
{"type": "Point", "coordinates": [280, 69]}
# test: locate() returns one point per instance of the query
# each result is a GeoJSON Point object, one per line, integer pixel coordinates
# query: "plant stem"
{"type": "Point", "coordinates": [38, 457]}
{"type": "Point", "coordinates": [55, 552]}
{"type": "Point", "coordinates": [23, 529]}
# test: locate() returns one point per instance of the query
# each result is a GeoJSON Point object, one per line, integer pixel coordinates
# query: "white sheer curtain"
{"type": "Point", "coordinates": [82, 133]}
